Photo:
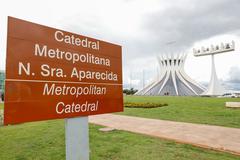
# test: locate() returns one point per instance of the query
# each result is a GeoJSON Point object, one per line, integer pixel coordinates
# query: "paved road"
{"type": "Point", "coordinates": [206, 136]}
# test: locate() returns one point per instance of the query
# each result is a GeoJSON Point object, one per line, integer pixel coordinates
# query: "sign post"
{"type": "Point", "coordinates": [54, 74]}
{"type": "Point", "coordinates": [77, 142]}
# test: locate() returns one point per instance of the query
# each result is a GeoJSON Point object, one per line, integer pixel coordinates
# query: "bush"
{"type": "Point", "coordinates": [144, 105]}
{"type": "Point", "coordinates": [2, 96]}
{"type": "Point", "coordinates": [129, 91]}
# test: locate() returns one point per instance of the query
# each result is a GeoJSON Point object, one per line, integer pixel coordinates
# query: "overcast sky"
{"type": "Point", "coordinates": [145, 29]}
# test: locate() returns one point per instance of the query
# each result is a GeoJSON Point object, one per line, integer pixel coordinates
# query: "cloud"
{"type": "Point", "coordinates": [234, 75]}
{"type": "Point", "coordinates": [189, 22]}
{"type": "Point", "coordinates": [232, 82]}
{"type": "Point", "coordinates": [172, 27]}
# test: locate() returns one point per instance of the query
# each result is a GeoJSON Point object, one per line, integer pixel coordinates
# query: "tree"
{"type": "Point", "coordinates": [2, 96]}
{"type": "Point", "coordinates": [130, 91]}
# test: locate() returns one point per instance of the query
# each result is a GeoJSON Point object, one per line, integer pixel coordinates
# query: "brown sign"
{"type": "Point", "coordinates": [53, 74]}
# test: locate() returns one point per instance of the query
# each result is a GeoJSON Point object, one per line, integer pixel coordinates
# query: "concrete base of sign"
{"type": "Point", "coordinates": [77, 139]}
{"type": "Point", "coordinates": [106, 129]}
{"type": "Point", "coordinates": [232, 104]}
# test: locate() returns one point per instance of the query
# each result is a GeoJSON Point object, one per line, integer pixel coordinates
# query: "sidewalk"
{"type": "Point", "coordinates": [206, 136]}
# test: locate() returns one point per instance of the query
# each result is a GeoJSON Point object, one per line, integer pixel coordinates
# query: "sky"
{"type": "Point", "coordinates": [144, 29]}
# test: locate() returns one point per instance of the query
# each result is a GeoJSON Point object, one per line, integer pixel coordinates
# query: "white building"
{"type": "Point", "coordinates": [172, 79]}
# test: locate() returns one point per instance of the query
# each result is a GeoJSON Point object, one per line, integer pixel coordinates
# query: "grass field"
{"type": "Point", "coordinates": [204, 110]}
{"type": "Point", "coordinates": [45, 141]}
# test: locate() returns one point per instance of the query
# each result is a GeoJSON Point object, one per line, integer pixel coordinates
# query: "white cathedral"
{"type": "Point", "coordinates": [172, 80]}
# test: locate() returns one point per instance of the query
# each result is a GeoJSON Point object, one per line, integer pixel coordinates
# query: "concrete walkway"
{"type": "Point", "coordinates": [206, 136]}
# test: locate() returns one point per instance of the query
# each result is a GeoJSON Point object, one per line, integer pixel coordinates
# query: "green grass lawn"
{"type": "Point", "coordinates": [204, 110]}
{"type": "Point", "coordinates": [45, 141]}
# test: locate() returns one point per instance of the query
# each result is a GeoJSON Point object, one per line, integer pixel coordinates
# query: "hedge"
{"type": "Point", "coordinates": [144, 105]}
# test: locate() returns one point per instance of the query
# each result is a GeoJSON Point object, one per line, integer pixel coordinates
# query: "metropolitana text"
{"type": "Point", "coordinates": [44, 51]}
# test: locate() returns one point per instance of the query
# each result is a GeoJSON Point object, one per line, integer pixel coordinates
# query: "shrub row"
{"type": "Point", "coordinates": [144, 105]}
